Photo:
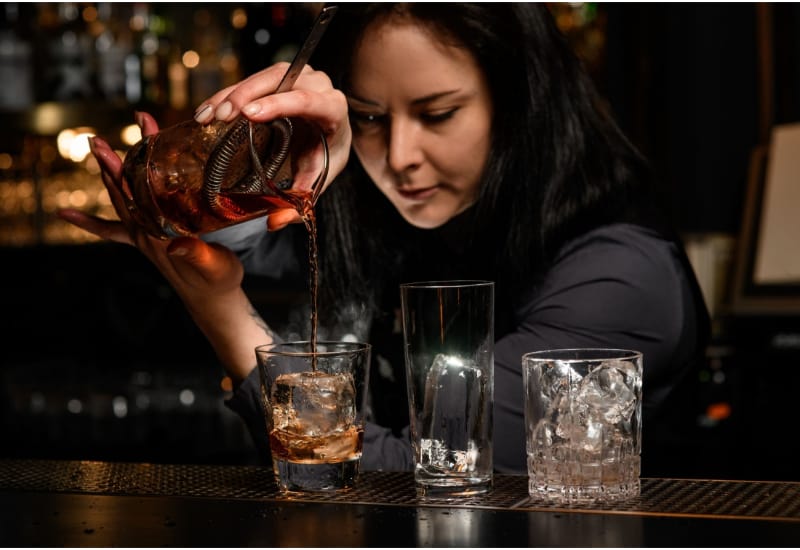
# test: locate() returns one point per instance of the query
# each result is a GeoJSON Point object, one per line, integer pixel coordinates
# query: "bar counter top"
{"type": "Point", "coordinates": [89, 503]}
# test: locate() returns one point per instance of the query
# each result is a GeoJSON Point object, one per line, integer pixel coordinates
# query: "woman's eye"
{"type": "Point", "coordinates": [365, 119]}
{"type": "Point", "coordinates": [434, 117]}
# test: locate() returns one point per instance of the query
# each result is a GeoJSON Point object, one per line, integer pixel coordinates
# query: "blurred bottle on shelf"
{"type": "Point", "coordinates": [113, 46]}
{"type": "Point", "coordinates": [205, 75]}
{"type": "Point", "coordinates": [65, 67]}
{"type": "Point", "coordinates": [149, 61]}
{"type": "Point", "coordinates": [273, 32]}
{"type": "Point", "coordinates": [16, 60]}
{"type": "Point", "coordinates": [137, 53]}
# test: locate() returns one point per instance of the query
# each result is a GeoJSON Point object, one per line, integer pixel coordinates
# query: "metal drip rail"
{"type": "Point", "coordinates": [761, 500]}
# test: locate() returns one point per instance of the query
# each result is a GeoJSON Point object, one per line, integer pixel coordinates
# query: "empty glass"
{"type": "Point", "coordinates": [448, 329]}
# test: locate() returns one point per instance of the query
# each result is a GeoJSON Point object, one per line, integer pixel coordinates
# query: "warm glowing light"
{"type": "Point", "coordinates": [48, 118]}
{"type": "Point", "coordinates": [89, 14]}
{"type": "Point", "coordinates": [229, 62]}
{"type": "Point", "coordinates": [62, 199]}
{"type": "Point", "coordinates": [78, 198]}
{"type": "Point", "coordinates": [238, 18]}
{"type": "Point", "coordinates": [80, 147]}
{"type": "Point", "coordinates": [73, 144]}
{"type": "Point", "coordinates": [137, 22]}
{"type": "Point", "coordinates": [178, 85]}
{"type": "Point", "coordinates": [64, 140]}
{"type": "Point", "coordinates": [191, 59]}
{"type": "Point", "coordinates": [226, 384]}
{"type": "Point", "coordinates": [92, 166]}
{"type": "Point", "coordinates": [718, 411]}
{"type": "Point", "coordinates": [177, 73]}
{"type": "Point", "coordinates": [131, 134]}
{"type": "Point", "coordinates": [24, 189]}
{"type": "Point", "coordinates": [6, 161]}
{"type": "Point", "coordinates": [29, 205]}
{"type": "Point", "coordinates": [103, 198]}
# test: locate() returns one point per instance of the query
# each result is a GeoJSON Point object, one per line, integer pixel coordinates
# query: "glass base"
{"type": "Point", "coordinates": [447, 488]}
{"type": "Point", "coordinates": [572, 495]}
{"type": "Point", "coordinates": [303, 477]}
{"type": "Point", "coordinates": [567, 482]}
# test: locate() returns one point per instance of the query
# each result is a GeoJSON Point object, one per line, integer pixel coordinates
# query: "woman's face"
{"type": "Point", "coordinates": [421, 116]}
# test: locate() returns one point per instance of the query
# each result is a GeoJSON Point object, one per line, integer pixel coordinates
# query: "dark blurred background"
{"type": "Point", "coordinates": [99, 360]}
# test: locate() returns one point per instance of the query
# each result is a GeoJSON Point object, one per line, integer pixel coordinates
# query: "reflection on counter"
{"type": "Point", "coordinates": [115, 411]}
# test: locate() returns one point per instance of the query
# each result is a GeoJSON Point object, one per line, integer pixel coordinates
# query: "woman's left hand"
{"type": "Point", "coordinates": [312, 97]}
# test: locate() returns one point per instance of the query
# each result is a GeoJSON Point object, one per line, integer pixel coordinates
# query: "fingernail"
{"type": "Point", "coordinates": [224, 111]}
{"type": "Point", "coordinates": [180, 251]}
{"type": "Point", "coordinates": [90, 139]}
{"type": "Point", "coordinates": [251, 109]}
{"type": "Point", "coordinates": [137, 116]}
{"type": "Point", "coordinates": [203, 113]}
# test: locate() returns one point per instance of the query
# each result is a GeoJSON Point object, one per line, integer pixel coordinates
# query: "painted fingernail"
{"type": "Point", "coordinates": [137, 116]}
{"type": "Point", "coordinates": [203, 113]}
{"type": "Point", "coordinates": [90, 139]}
{"type": "Point", "coordinates": [224, 111]}
{"type": "Point", "coordinates": [251, 109]}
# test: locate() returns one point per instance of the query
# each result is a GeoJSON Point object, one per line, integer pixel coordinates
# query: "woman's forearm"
{"type": "Point", "coordinates": [233, 328]}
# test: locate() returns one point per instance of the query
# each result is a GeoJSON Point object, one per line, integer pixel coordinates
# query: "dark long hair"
{"type": "Point", "coordinates": [558, 166]}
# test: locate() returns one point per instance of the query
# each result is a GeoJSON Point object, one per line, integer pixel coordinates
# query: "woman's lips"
{"type": "Point", "coordinates": [417, 194]}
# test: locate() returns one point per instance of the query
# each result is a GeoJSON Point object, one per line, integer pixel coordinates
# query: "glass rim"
{"type": "Point", "coordinates": [454, 283]}
{"type": "Point", "coordinates": [586, 354]}
{"type": "Point", "coordinates": [342, 345]}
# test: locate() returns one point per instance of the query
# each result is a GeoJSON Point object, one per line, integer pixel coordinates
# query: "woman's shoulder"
{"type": "Point", "coordinates": [620, 283]}
{"type": "Point", "coordinates": [621, 233]}
{"type": "Point", "coordinates": [620, 247]}
{"type": "Point", "coordinates": [617, 263]}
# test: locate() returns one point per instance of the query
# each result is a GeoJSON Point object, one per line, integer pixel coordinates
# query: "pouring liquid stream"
{"type": "Point", "coordinates": [310, 221]}
{"type": "Point", "coordinates": [304, 204]}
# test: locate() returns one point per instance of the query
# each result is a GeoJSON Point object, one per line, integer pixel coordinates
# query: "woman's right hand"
{"type": "Point", "coordinates": [206, 276]}
{"type": "Point", "coordinates": [193, 267]}
{"type": "Point", "coordinates": [312, 97]}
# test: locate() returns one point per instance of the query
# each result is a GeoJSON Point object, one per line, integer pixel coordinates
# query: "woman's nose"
{"type": "Point", "coordinates": [404, 149]}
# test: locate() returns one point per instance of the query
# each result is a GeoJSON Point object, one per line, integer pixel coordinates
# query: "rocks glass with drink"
{"type": "Point", "coordinates": [313, 398]}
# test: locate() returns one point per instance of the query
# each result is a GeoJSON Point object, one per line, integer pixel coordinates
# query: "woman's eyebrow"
{"type": "Point", "coordinates": [417, 101]}
{"type": "Point", "coordinates": [353, 97]}
{"type": "Point", "coordinates": [434, 96]}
